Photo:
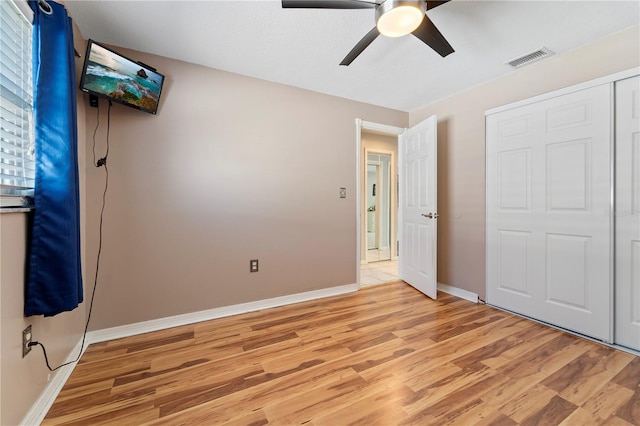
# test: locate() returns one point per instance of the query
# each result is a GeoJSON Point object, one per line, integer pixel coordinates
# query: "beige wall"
{"type": "Point", "coordinates": [23, 379]}
{"type": "Point", "coordinates": [376, 141]}
{"type": "Point", "coordinates": [383, 143]}
{"type": "Point", "coordinates": [461, 146]}
{"type": "Point", "coordinates": [231, 169]}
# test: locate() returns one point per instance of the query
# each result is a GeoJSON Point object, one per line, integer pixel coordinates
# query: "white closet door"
{"type": "Point", "coordinates": [627, 318]}
{"type": "Point", "coordinates": [548, 199]}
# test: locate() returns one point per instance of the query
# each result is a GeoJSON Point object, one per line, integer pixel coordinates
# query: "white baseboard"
{"type": "Point", "coordinates": [225, 311]}
{"type": "Point", "coordinates": [458, 292]}
{"type": "Point", "coordinates": [45, 400]}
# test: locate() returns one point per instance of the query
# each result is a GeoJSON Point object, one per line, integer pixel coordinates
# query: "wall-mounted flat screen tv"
{"type": "Point", "coordinates": [109, 75]}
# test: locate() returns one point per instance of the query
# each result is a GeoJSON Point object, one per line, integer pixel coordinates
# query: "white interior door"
{"type": "Point", "coordinates": [548, 204]}
{"type": "Point", "coordinates": [418, 172]}
{"type": "Point", "coordinates": [627, 213]}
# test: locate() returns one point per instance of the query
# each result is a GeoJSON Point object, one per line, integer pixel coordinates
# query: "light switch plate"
{"type": "Point", "coordinates": [343, 192]}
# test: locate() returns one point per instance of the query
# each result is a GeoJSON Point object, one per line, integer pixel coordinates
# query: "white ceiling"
{"type": "Point", "coordinates": [303, 47]}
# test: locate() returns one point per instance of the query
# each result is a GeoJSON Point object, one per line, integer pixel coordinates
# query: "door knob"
{"type": "Point", "coordinates": [431, 215]}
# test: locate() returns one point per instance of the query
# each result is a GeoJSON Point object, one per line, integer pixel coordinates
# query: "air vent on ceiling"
{"type": "Point", "coordinates": [530, 58]}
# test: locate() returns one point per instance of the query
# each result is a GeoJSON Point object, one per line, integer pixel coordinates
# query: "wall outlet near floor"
{"type": "Point", "coordinates": [253, 265]}
{"type": "Point", "coordinates": [26, 339]}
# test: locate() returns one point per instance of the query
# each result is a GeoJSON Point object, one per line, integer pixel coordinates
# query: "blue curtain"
{"type": "Point", "coordinates": [54, 282]}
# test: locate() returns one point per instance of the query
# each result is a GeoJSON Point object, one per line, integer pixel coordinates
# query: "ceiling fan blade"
{"type": "Point", "coordinates": [328, 4]}
{"type": "Point", "coordinates": [429, 34]}
{"type": "Point", "coordinates": [432, 4]}
{"type": "Point", "coordinates": [362, 44]}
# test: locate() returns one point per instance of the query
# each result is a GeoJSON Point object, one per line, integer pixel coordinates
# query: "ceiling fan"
{"type": "Point", "coordinates": [394, 18]}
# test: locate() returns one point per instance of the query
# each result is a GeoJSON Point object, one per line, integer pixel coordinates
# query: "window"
{"type": "Point", "coordinates": [17, 167]}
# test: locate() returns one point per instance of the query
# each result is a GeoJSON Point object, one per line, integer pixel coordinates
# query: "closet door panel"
{"type": "Point", "coordinates": [548, 194]}
{"type": "Point", "coordinates": [627, 213]}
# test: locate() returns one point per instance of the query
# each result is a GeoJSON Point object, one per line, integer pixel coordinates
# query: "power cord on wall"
{"type": "Point", "coordinates": [102, 162]}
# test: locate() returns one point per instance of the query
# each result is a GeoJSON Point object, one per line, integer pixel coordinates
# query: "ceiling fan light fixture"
{"type": "Point", "coordinates": [396, 18]}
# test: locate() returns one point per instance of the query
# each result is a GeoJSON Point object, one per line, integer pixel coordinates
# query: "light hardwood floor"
{"type": "Point", "coordinates": [385, 355]}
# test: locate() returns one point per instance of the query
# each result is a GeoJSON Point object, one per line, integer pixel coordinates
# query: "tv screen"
{"type": "Point", "coordinates": [109, 75]}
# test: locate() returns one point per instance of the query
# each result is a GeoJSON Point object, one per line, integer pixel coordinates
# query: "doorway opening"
{"type": "Point", "coordinates": [377, 203]}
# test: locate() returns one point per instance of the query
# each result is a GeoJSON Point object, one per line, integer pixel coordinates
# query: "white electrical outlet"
{"type": "Point", "coordinates": [26, 339]}
{"type": "Point", "coordinates": [253, 265]}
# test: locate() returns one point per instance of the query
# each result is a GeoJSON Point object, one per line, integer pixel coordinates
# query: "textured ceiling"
{"type": "Point", "coordinates": [303, 47]}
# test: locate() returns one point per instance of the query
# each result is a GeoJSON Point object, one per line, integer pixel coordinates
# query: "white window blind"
{"type": "Point", "coordinates": [17, 167]}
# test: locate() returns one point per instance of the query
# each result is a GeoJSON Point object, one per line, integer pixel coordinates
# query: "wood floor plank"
{"type": "Point", "coordinates": [629, 376]}
{"type": "Point", "coordinates": [384, 355]}
{"type": "Point", "coordinates": [88, 375]}
{"type": "Point", "coordinates": [73, 393]}
{"type": "Point", "coordinates": [581, 416]}
{"type": "Point", "coordinates": [431, 354]}
{"type": "Point", "coordinates": [528, 403]}
{"type": "Point", "coordinates": [479, 413]}
{"type": "Point", "coordinates": [499, 396]}
{"type": "Point", "coordinates": [135, 413]}
{"type": "Point", "coordinates": [101, 408]}
{"type": "Point", "coordinates": [630, 411]}
{"type": "Point", "coordinates": [301, 409]}
{"type": "Point", "coordinates": [380, 405]}
{"type": "Point", "coordinates": [617, 421]}
{"type": "Point", "coordinates": [229, 407]}
{"type": "Point", "coordinates": [591, 380]}
{"type": "Point", "coordinates": [532, 336]}
{"type": "Point", "coordinates": [448, 398]}
{"type": "Point", "coordinates": [417, 377]}
{"type": "Point", "coordinates": [556, 411]}
{"type": "Point", "coordinates": [205, 390]}
{"type": "Point", "coordinates": [607, 400]}
{"type": "Point", "coordinates": [198, 375]}
{"type": "Point", "coordinates": [457, 402]}
{"type": "Point", "coordinates": [548, 357]}
{"type": "Point", "coordinates": [254, 418]}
